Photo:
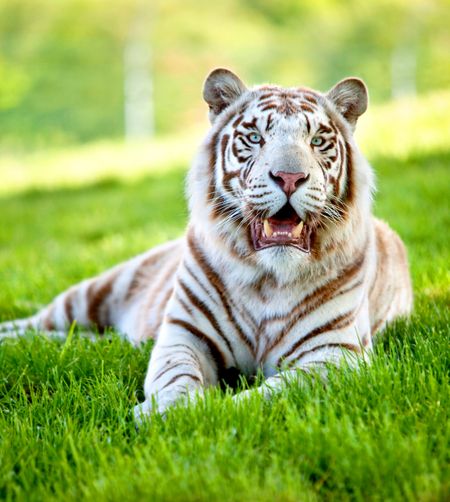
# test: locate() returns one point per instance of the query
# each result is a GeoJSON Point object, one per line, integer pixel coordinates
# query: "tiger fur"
{"type": "Point", "coordinates": [283, 268]}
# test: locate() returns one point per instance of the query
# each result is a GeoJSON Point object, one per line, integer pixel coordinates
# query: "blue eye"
{"type": "Point", "coordinates": [316, 141]}
{"type": "Point", "coordinates": [254, 137]}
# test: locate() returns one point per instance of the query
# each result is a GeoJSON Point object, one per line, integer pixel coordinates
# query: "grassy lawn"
{"type": "Point", "coordinates": [66, 431]}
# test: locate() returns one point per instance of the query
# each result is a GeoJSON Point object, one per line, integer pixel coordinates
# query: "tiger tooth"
{"type": "Point", "coordinates": [298, 230]}
{"type": "Point", "coordinates": [267, 229]}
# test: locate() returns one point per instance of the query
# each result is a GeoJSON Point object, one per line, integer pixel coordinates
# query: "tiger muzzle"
{"type": "Point", "coordinates": [284, 228]}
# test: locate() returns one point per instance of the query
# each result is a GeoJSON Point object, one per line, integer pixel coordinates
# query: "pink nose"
{"type": "Point", "coordinates": [289, 182]}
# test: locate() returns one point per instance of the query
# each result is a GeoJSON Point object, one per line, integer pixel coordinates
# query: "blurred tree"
{"type": "Point", "coordinates": [138, 85]}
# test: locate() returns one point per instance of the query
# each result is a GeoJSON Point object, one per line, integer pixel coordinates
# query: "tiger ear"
{"type": "Point", "coordinates": [350, 98]}
{"type": "Point", "coordinates": [221, 88]}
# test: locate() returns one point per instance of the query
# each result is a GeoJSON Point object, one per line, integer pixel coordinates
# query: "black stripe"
{"type": "Point", "coordinates": [170, 367]}
{"type": "Point", "coordinates": [339, 322]}
{"type": "Point", "coordinates": [217, 284]}
{"type": "Point", "coordinates": [212, 147]}
{"type": "Point", "coordinates": [324, 128]}
{"type": "Point", "coordinates": [242, 139]}
{"type": "Point", "coordinates": [189, 351]}
{"type": "Point", "coordinates": [177, 377]}
{"type": "Point", "coordinates": [203, 308]}
{"type": "Point", "coordinates": [349, 190]}
{"type": "Point", "coordinates": [223, 147]}
{"type": "Point", "coordinates": [195, 278]}
{"type": "Point", "coordinates": [326, 148]}
{"type": "Point", "coordinates": [214, 350]}
{"type": "Point", "coordinates": [346, 346]}
{"type": "Point", "coordinates": [308, 125]}
{"type": "Point", "coordinates": [186, 307]}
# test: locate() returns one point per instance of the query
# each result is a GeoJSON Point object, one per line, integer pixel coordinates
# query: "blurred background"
{"type": "Point", "coordinates": [101, 113]}
{"type": "Point", "coordinates": [78, 72]}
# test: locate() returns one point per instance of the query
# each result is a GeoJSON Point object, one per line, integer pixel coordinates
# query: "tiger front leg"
{"type": "Point", "coordinates": [313, 363]}
{"type": "Point", "coordinates": [180, 368]}
{"type": "Point", "coordinates": [275, 384]}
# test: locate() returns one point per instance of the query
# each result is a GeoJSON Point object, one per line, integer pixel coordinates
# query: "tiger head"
{"type": "Point", "coordinates": [278, 169]}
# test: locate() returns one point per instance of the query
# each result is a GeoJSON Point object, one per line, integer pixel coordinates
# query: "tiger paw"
{"type": "Point", "coordinates": [243, 396]}
{"type": "Point", "coordinates": [142, 413]}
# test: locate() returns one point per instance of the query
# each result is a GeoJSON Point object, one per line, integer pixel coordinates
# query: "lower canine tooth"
{"type": "Point", "coordinates": [267, 228]}
{"type": "Point", "coordinates": [298, 230]}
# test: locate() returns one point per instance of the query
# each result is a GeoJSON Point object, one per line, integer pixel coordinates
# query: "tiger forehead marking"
{"type": "Point", "coordinates": [267, 114]}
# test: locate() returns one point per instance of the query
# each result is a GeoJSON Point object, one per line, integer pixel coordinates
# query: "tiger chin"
{"type": "Point", "coordinates": [283, 268]}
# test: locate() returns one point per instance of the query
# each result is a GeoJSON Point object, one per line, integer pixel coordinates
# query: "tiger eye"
{"type": "Point", "coordinates": [316, 141]}
{"type": "Point", "coordinates": [254, 137]}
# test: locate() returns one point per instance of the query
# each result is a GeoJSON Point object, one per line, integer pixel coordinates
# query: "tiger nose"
{"type": "Point", "coordinates": [289, 182]}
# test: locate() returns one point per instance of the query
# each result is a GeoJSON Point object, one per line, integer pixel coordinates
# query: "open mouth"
{"type": "Point", "coordinates": [284, 228]}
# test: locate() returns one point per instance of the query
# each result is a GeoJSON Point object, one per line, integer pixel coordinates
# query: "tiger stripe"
{"type": "Point", "coordinates": [217, 355]}
{"type": "Point", "coordinates": [339, 322]}
{"type": "Point", "coordinates": [214, 279]}
{"type": "Point", "coordinates": [202, 307]}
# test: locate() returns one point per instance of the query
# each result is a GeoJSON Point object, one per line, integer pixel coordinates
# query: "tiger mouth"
{"type": "Point", "coordinates": [284, 228]}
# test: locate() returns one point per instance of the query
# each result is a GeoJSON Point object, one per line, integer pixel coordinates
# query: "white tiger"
{"type": "Point", "coordinates": [283, 268]}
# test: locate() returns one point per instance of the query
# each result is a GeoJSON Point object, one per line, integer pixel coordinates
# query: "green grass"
{"type": "Point", "coordinates": [66, 430]}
